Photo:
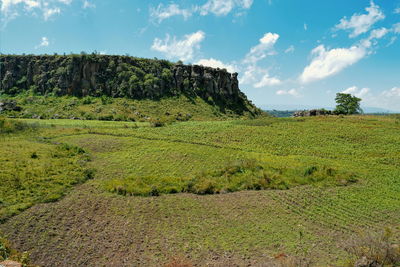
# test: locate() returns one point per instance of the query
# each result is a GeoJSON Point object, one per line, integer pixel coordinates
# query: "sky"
{"type": "Point", "coordinates": [287, 52]}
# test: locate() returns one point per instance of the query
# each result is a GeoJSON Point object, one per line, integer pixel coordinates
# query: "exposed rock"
{"type": "Point", "coordinates": [312, 112]}
{"type": "Point", "coordinates": [9, 263]}
{"type": "Point", "coordinates": [364, 262]}
{"type": "Point", "coordinates": [9, 105]}
{"type": "Point", "coordinates": [119, 76]}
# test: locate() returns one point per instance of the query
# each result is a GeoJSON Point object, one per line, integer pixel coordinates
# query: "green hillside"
{"type": "Point", "coordinates": [236, 192]}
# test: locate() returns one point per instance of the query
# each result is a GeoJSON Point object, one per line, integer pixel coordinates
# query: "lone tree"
{"type": "Point", "coordinates": [347, 104]}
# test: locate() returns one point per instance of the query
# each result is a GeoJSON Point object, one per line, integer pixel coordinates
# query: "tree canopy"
{"type": "Point", "coordinates": [347, 104]}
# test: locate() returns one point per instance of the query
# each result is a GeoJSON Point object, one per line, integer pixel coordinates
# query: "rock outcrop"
{"type": "Point", "coordinates": [312, 112]}
{"type": "Point", "coordinates": [118, 76]}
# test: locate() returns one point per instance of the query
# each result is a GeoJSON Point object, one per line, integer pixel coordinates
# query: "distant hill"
{"type": "Point", "coordinates": [126, 77]}
{"type": "Point", "coordinates": [289, 110]}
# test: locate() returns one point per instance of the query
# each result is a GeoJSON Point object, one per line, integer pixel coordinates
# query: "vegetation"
{"type": "Point", "coordinates": [216, 192]}
{"type": "Point", "coordinates": [105, 108]}
{"type": "Point", "coordinates": [102, 76]}
{"type": "Point", "coordinates": [347, 104]}
{"type": "Point", "coordinates": [9, 253]}
{"type": "Point", "coordinates": [374, 249]}
{"type": "Point", "coordinates": [35, 171]}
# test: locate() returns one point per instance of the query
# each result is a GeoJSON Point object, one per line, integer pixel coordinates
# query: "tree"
{"type": "Point", "coordinates": [347, 104]}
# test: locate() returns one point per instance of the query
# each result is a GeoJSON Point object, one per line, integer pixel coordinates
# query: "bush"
{"type": "Point", "coordinates": [374, 249]}
{"type": "Point", "coordinates": [11, 126]}
{"type": "Point", "coordinates": [157, 123]}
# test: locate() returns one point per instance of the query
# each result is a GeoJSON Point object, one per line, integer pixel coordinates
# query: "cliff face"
{"type": "Point", "coordinates": [117, 76]}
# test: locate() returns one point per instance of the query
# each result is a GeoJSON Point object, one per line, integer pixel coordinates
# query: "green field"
{"type": "Point", "coordinates": [222, 193]}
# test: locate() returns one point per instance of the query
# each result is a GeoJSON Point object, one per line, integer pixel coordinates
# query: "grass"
{"type": "Point", "coordinates": [119, 109]}
{"type": "Point", "coordinates": [35, 171]}
{"type": "Point", "coordinates": [239, 189]}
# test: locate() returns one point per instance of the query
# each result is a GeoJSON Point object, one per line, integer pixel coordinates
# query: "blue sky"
{"type": "Point", "coordinates": [287, 52]}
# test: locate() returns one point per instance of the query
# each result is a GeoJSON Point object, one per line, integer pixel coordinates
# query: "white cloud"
{"type": "Point", "coordinates": [290, 49]}
{"type": "Point", "coordinates": [87, 4]}
{"type": "Point", "coordinates": [257, 76]}
{"type": "Point", "coordinates": [396, 28]}
{"type": "Point", "coordinates": [378, 33]}
{"type": "Point", "coordinates": [216, 64]}
{"type": "Point", "coordinates": [361, 23]}
{"type": "Point", "coordinates": [183, 49]}
{"type": "Point", "coordinates": [354, 90]}
{"type": "Point", "coordinates": [397, 10]}
{"type": "Point", "coordinates": [291, 92]}
{"type": "Point", "coordinates": [216, 7]}
{"type": "Point", "coordinates": [49, 12]}
{"type": "Point", "coordinates": [375, 34]}
{"type": "Point", "coordinates": [28, 4]}
{"type": "Point", "coordinates": [44, 43]}
{"type": "Point", "coordinates": [326, 63]}
{"type": "Point", "coordinates": [264, 48]}
{"type": "Point", "coordinates": [388, 99]}
{"type": "Point", "coordinates": [11, 9]}
{"type": "Point", "coordinates": [394, 92]}
{"type": "Point", "coordinates": [223, 7]}
{"type": "Point", "coordinates": [161, 13]}
{"type": "Point", "coordinates": [305, 26]}
{"type": "Point", "coordinates": [266, 80]}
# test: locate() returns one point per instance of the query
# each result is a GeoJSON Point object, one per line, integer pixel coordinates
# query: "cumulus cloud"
{"type": "Point", "coordinates": [216, 64]}
{"type": "Point", "coordinates": [253, 74]}
{"type": "Point", "coordinates": [291, 92]}
{"type": "Point", "coordinates": [266, 80]}
{"type": "Point", "coordinates": [361, 23]}
{"type": "Point", "coordinates": [183, 49]}
{"type": "Point", "coordinates": [394, 92]}
{"type": "Point", "coordinates": [388, 99]}
{"type": "Point", "coordinates": [223, 7]}
{"type": "Point", "coordinates": [374, 35]}
{"type": "Point", "coordinates": [326, 63]}
{"type": "Point", "coordinates": [44, 43]}
{"type": "Point", "coordinates": [258, 77]}
{"type": "Point", "coordinates": [164, 12]}
{"type": "Point", "coordinates": [264, 48]}
{"type": "Point", "coordinates": [12, 8]}
{"type": "Point", "coordinates": [216, 7]}
{"type": "Point", "coordinates": [358, 92]}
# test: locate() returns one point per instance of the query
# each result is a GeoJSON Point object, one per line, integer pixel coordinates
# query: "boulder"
{"type": "Point", "coordinates": [9, 263]}
{"type": "Point", "coordinates": [9, 105]}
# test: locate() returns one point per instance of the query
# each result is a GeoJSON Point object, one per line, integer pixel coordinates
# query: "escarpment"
{"type": "Point", "coordinates": [119, 76]}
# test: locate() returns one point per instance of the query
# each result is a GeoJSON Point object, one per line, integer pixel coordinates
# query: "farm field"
{"type": "Point", "coordinates": [222, 193]}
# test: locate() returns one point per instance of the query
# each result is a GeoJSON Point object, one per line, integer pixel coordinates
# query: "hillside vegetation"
{"type": "Point", "coordinates": [207, 192]}
{"type": "Point", "coordinates": [121, 77]}
{"type": "Point", "coordinates": [169, 109]}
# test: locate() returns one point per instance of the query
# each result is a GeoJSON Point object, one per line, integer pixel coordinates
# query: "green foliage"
{"type": "Point", "coordinates": [330, 179]}
{"type": "Point", "coordinates": [118, 109]}
{"type": "Point", "coordinates": [34, 171]}
{"type": "Point", "coordinates": [9, 126]}
{"type": "Point", "coordinates": [238, 175]}
{"type": "Point", "coordinates": [347, 104]}
{"type": "Point", "coordinates": [374, 249]}
{"type": "Point", "coordinates": [7, 252]}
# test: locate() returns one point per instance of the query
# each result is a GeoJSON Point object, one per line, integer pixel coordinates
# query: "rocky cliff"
{"type": "Point", "coordinates": [118, 76]}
